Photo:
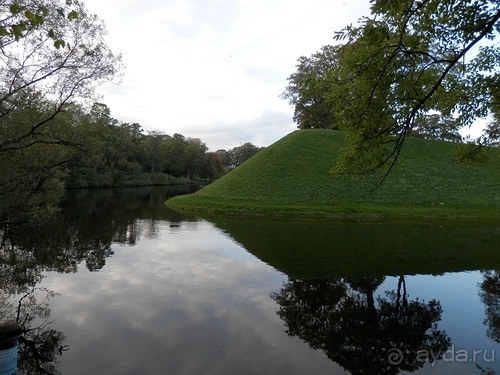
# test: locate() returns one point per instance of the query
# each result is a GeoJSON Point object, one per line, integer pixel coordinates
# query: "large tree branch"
{"type": "Point", "coordinates": [407, 124]}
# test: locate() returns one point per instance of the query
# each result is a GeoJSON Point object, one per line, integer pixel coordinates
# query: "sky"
{"type": "Point", "coordinates": [214, 69]}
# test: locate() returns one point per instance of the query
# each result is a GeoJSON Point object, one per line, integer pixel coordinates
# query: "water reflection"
{"type": "Point", "coordinates": [364, 334]}
{"type": "Point", "coordinates": [22, 301]}
{"type": "Point", "coordinates": [40, 343]}
{"type": "Point", "coordinates": [490, 296]}
{"type": "Point", "coordinates": [335, 269]}
{"type": "Point", "coordinates": [83, 232]}
{"type": "Point", "coordinates": [146, 290]}
{"type": "Point", "coordinates": [326, 249]}
{"type": "Point", "coordinates": [88, 224]}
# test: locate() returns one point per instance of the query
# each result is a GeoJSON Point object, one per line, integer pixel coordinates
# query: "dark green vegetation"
{"type": "Point", "coordinates": [426, 67]}
{"type": "Point", "coordinates": [293, 178]}
{"type": "Point", "coordinates": [113, 153]}
{"type": "Point", "coordinates": [330, 250]}
{"type": "Point", "coordinates": [52, 54]}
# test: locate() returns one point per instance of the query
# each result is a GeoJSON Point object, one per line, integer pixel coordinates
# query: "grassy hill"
{"type": "Point", "coordinates": [293, 178]}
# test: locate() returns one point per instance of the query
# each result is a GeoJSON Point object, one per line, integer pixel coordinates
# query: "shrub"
{"type": "Point", "coordinates": [469, 153]}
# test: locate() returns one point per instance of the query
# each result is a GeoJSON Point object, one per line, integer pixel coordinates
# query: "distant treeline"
{"type": "Point", "coordinates": [110, 153]}
{"type": "Point", "coordinates": [45, 151]}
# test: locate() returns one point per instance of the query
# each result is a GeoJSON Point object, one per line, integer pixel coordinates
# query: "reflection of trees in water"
{"type": "Point", "coordinates": [40, 344]}
{"type": "Point", "coordinates": [358, 331]}
{"type": "Point", "coordinates": [25, 253]}
{"type": "Point", "coordinates": [53, 248]}
{"type": "Point", "coordinates": [490, 295]}
{"type": "Point", "coordinates": [22, 301]}
{"type": "Point", "coordinates": [84, 231]}
{"type": "Point", "coordinates": [18, 269]}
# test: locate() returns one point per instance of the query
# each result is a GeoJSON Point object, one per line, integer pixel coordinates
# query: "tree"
{"type": "Point", "coordinates": [492, 131]}
{"type": "Point", "coordinates": [196, 158]}
{"type": "Point", "coordinates": [409, 59]}
{"type": "Point", "coordinates": [154, 147]}
{"type": "Point", "coordinates": [52, 53]}
{"type": "Point", "coordinates": [63, 70]}
{"type": "Point", "coordinates": [22, 18]}
{"type": "Point", "coordinates": [175, 158]}
{"type": "Point", "coordinates": [225, 156]}
{"type": "Point", "coordinates": [215, 166]}
{"type": "Point", "coordinates": [33, 167]}
{"type": "Point", "coordinates": [434, 126]}
{"type": "Point", "coordinates": [238, 155]}
{"type": "Point", "coordinates": [308, 89]}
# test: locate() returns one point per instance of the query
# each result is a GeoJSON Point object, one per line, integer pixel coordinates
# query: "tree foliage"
{"type": "Point", "coordinates": [410, 58]}
{"type": "Point", "coordinates": [240, 154]}
{"type": "Point", "coordinates": [52, 53]}
{"type": "Point", "coordinates": [62, 70]}
{"type": "Point", "coordinates": [492, 131]}
{"type": "Point", "coordinates": [115, 153]}
{"type": "Point", "coordinates": [407, 61]}
{"type": "Point", "coordinates": [435, 126]}
{"type": "Point", "coordinates": [308, 89]}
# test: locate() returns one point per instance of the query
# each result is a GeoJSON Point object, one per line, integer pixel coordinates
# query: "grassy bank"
{"type": "Point", "coordinates": [292, 178]}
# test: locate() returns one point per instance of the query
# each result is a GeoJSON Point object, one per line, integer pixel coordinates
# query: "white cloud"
{"type": "Point", "coordinates": [261, 131]}
{"type": "Point", "coordinates": [196, 64]}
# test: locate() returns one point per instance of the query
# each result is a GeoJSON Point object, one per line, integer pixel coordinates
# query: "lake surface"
{"type": "Point", "coordinates": [145, 290]}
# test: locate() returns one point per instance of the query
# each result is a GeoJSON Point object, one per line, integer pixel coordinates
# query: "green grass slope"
{"type": "Point", "coordinates": [293, 178]}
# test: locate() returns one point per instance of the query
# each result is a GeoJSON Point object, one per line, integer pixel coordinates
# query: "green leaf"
{"type": "Point", "coordinates": [18, 30]}
{"type": "Point", "coordinates": [59, 43]}
{"type": "Point", "coordinates": [29, 15]}
{"type": "Point", "coordinates": [51, 34]}
{"type": "Point", "coordinates": [73, 15]}
{"type": "Point", "coordinates": [15, 9]}
{"type": "Point", "coordinates": [38, 20]}
{"type": "Point", "coordinates": [3, 31]}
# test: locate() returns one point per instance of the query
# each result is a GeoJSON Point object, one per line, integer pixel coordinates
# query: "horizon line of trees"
{"type": "Point", "coordinates": [121, 150]}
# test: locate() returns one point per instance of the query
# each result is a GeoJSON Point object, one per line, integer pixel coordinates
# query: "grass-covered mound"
{"type": "Point", "coordinates": [293, 178]}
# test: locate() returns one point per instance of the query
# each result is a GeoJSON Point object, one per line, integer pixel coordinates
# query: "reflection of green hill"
{"type": "Point", "coordinates": [309, 249]}
{"type": "Point", "coordinates": [291, 177]}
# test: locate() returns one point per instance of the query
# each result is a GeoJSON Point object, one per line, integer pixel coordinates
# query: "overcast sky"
{"type": "Point", "coordinates": [214, 69]}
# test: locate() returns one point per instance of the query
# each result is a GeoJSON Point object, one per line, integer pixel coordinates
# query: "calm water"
{"type": "Point", "coordinates": [144, 290]}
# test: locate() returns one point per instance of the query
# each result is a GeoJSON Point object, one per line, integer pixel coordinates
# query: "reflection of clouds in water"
{"type": "Point", "coordinates": [190, 303]}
